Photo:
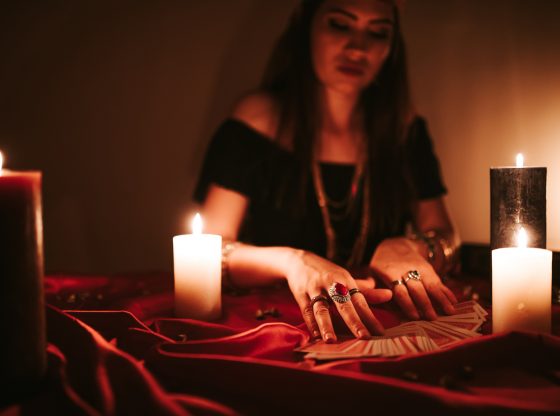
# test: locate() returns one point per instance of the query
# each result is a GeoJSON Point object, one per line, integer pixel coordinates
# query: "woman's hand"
{"type": "Point", "coordinates": [310, 277]}
{"type": "Point", "coordinates": [392, 261]}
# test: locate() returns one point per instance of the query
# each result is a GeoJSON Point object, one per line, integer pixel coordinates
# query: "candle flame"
{"type": "Point", "coordinates": [197, 224]}
{"type": "Point", "coordinates": [519, 160]}
{"type": "Point", "coordinates": [522, 238]}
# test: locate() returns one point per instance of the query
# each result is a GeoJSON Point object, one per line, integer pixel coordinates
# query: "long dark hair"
{"type": "Point", "coordinates": [290, 78]}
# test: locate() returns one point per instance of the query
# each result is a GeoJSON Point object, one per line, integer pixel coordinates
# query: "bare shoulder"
{"type": "Point", "coordinates": [260, 111]}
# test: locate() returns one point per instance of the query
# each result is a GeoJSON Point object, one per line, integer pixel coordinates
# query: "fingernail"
{"type": "Point", "coordinates": [329, 338]}
{"type": "Point", "coordinates": [415, 316]}
{"type": "Point", "coordinates": [316, 334]}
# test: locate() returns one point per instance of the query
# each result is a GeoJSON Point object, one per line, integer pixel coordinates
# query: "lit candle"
{"type": "Point", "coordinates": [521, 287]}
{"type": "Point", "coordinates": [197, 264]}
{"type": "Point", "coordinates": [521, 265]}
{"type": "Point", "coordinates": [22, 313]}
{"type": "Point", "coordinates": [517, 199]}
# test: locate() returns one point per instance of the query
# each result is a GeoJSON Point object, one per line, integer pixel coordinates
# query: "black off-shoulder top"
{"type": "Point", "coordinates": [242, 160]}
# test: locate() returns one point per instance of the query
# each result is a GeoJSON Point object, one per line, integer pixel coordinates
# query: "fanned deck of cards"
{"type": "Point", "coordinates": [408, 338]}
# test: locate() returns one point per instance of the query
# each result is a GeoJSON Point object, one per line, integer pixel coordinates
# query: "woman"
{"type": "Point", "coordinates": [321, 169]}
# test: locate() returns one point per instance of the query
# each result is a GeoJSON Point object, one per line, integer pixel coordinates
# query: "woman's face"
{"type": "Point", "coordinates": [350, 40]}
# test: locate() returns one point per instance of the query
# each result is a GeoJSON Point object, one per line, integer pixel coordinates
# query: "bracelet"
{"type": "Point", "coordinates": [227, 247]}
{"type": "Point", "coordinates": [431, 238]}
{"type": "Point", "coordinates": [427, 238]}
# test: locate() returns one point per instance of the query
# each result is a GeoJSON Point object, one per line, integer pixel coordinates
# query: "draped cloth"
{"type": "Point", "coordinates": [114, 347]}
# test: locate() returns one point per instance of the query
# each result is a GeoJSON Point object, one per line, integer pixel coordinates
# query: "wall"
{"type": "Point", "coordinates": [485, 74]}
{"type": "Point", "coordinates": [115, 102]}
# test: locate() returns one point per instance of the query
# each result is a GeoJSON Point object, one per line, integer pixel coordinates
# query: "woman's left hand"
{"type": "Point", "coordinates": [395, 261]}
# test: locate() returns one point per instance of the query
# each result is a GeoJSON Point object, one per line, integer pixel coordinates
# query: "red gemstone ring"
{"type": "Point", "coordinates": [339, 293]}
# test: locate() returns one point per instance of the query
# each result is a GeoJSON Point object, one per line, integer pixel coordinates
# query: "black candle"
{"type": "Point", "coordinates": [518, 199]}
{"type": "Point", "coordinates": [22, 315]}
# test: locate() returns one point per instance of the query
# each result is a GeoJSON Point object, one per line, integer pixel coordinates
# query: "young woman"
{"type": "Point", "coordinates": [322, 170]}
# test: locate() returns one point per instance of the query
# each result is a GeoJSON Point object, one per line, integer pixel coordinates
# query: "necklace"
{"type": "Point", "coordinates": [360, 241]}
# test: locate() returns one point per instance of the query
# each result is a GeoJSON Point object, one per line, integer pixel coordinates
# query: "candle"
{"type": "Point", "coordinates": [22, 315]}
{"type": "Point", "coordinates": [518, 199]}
{"type": "Point", "coordinates": [197, 265]}
{"type": "Point", "coordinates": [521, 287]}
{"type": "Point", "coordinates": [521, 265]}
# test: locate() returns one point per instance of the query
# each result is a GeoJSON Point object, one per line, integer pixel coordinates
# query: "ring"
{"type": "Point", "coordinates": [353, 291]}
{"type": "Point", "coordinates": [396, 283]}
{"type": "Point", "coordinates": [318, 298]}
{"type": "Point", "coordinates": [339, 293]}
{"type": "Point", "coordinates": [412, 274]}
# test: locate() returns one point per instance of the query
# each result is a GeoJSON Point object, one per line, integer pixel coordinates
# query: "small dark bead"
{"type": "Point", "coordinates": [259, 314]}
{"type": "Point", "coordinates": [466, 372]}
{"type": "Point", "coordinates": [274, 312]}
{"type": "Point", "coordinates": [448, 382]}
{"type": "Point", "coordinates": [182, 337]}
{"type": "Point", "coordinates": [411, 376]}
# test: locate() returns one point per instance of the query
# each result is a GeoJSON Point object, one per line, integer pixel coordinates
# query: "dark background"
{"type": "Point", "coordinates": [115, 101]}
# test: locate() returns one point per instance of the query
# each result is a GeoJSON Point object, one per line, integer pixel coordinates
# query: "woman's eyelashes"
{"type": "Point", "coordinates": [338, 25]}
{"type": "Point", "coordinates": [379, 34]}
{"type": "Point", "coordinates": [341, 26]}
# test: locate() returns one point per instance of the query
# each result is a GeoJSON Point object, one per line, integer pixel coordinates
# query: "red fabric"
{"type": "Point", "coordinates": [130, 356]}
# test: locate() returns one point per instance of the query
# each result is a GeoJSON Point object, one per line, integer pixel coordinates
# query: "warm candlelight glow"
{"type": "Point", "coordinates": [197, 269]}
{"type": "Point", "coordinates": [522, 238]}
{"type": "Point", "coordinates": [1, 161]}
{"type": "Point", "coordinates": [197, 224]}
{"type": "Point", "coordinates": [519, 160]}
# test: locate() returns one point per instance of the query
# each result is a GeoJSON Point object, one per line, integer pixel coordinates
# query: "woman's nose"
{"type": "Point", "coordinates": [358, 41]}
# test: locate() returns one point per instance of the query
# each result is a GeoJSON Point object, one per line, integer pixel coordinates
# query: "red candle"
{"type": "Point", "coordinates": [22, 312]}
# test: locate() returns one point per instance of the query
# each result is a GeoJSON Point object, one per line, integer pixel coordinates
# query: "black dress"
{"type": "Point", "coordinates": [243, 160]}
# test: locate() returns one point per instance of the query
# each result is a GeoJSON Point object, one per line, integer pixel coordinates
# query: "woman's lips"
{"type": "Point", "coordinates": [352, 70]}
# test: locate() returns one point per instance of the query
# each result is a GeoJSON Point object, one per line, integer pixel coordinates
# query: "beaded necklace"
{"type": "Point", "coordinates": [360, 176]}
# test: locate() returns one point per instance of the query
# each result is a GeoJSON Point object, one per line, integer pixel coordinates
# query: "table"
{"type": "Point", "coordinates": [115, 348]}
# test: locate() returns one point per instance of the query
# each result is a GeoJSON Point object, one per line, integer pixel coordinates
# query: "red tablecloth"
{"type": "Point", "coordinates": [114, 348]}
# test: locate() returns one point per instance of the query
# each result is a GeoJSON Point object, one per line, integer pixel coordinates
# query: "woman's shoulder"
{"type": "Point", "coordinates": [260, 111]}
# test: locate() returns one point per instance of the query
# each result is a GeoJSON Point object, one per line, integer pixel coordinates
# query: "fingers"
{"type": "Point", "coordinates": [372, 295]}
{"type": "Point", "coordinates": [341, 296]}
{"type": "Point", "coordinates": [401, 296]}
{"type": "Point", "coordinates": [421, 299]}
{"type": "Point", "coordinates": [449, 295]}
{"type": "Point", "coordinates": [366, 315]}
{"type": "Point", "coordinates": [306, 309]}
{"type": "Point", "coordinates": [353, 309]}
{"type": "Point", "coordinates": [375, 296]}
{"type": "Point", "coordinates": [324, 322]}
{"type": "Point", "coordinates": [437, 292]}
{"type": "Point", "coordinates": [416, 296]}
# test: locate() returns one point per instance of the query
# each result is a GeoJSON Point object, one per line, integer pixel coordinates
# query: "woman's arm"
{"type": "Point", "coordinates": [437, 235]}
{"type": "Point", "coordinates": [307, 274]}
{"type": "Point", "coordinates": [394, 258]}
{"type": "Point", "coordinates": [248, 266]}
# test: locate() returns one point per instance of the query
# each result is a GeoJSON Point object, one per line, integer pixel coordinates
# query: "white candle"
{"type": "Point", "coordinates": [197, 261]}
{"type": "Point", "coordinates": [521, 287]}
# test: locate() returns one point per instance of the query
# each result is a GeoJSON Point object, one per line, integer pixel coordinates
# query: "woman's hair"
{"type": "Point", "coordinates": [290, 78]}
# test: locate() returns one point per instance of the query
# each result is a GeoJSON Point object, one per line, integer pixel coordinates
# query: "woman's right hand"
{"type": "Point", "coordinates": [310, 277]}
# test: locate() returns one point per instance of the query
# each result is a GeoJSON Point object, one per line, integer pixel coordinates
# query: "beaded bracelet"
{"type": "Point", "coordinates": [227, 247]}
{"type": "Point", "coordinates": [431, 238]}
{"type": "Point", "coordinates": [428, 239]}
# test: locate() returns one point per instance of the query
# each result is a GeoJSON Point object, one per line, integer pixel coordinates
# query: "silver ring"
{"type": "Point", "coordinates": [353, 291]}
{"type": "Point", "coordinates": [339, 293]}
{"type": "Point", "coordinates": [396, 283]}
{"type": "Point", "coordinates": [412, 274]}
{"type": "Point", "coordinates": [318, 298]}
